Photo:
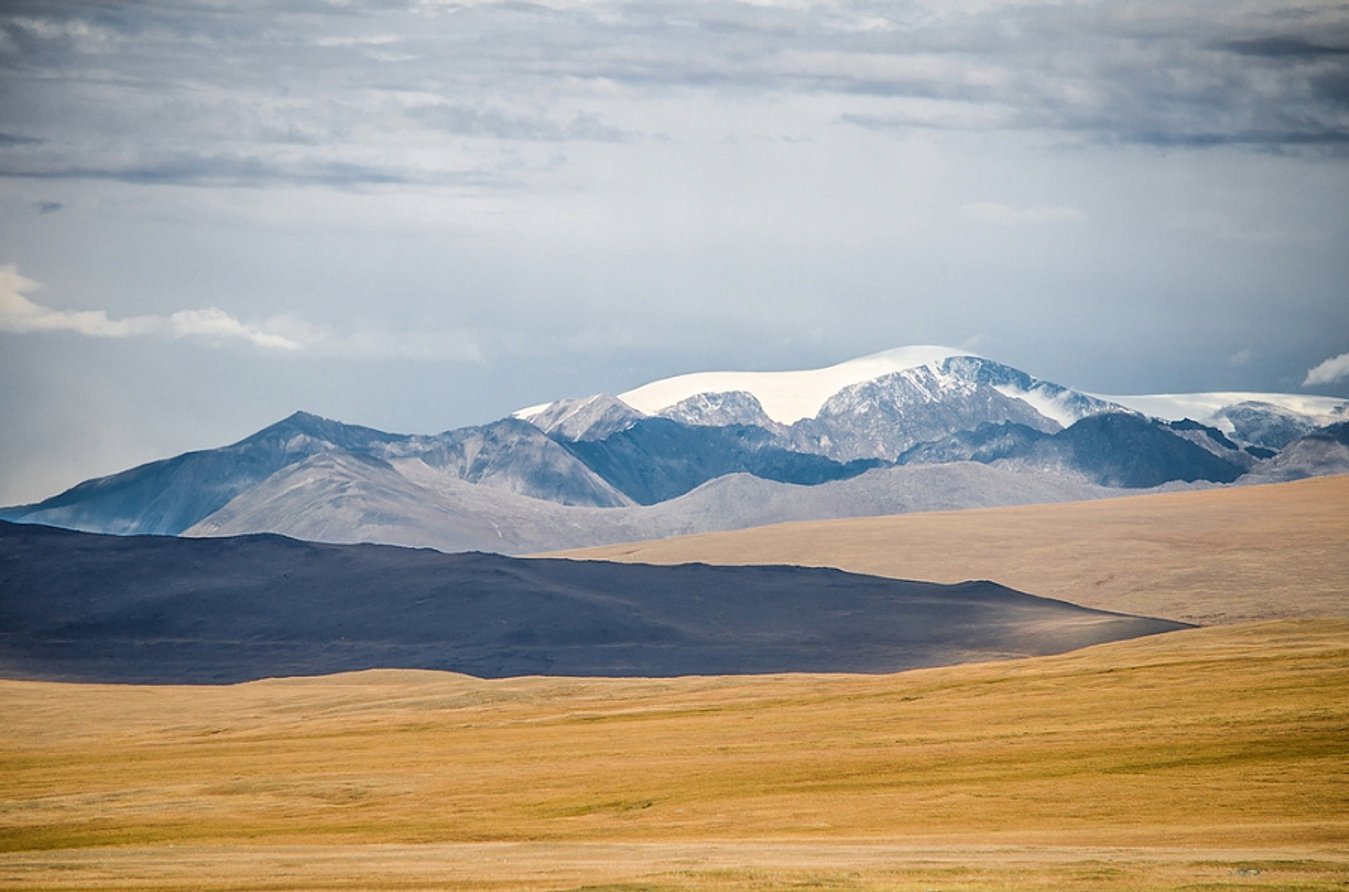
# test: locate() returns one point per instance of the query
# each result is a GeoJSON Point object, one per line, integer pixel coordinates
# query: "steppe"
{"type": "Point", "coordinates": [1212, 556]}
{"type": "Point", "coordinates": [1210, 758]}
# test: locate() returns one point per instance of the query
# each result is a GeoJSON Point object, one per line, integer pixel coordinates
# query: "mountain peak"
{"type": "Point", "coordinates": [588, 418]}
{"type": "Point", "coordinates": [787, 396]}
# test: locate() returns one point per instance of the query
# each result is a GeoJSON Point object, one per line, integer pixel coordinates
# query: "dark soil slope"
{"type": "Point", "coordinates": [86, 607]}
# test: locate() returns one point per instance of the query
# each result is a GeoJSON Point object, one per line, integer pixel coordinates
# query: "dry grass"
{"type": "Point", "coordinates": [658, 867]}
{"type": "Point", "coordinates": [1228, 555]}
{"type": "Point", "coordinates": [1194, 758]}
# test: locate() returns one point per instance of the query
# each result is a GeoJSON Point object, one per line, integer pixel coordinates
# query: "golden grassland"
{"type": "Point", "coordinates": [1223, 555]}
{"type": "Point", "coordinates": [1209, 758]}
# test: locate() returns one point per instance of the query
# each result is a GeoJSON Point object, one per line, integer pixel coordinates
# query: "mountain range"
{"type": "Point", "coordinates": [916, 428]}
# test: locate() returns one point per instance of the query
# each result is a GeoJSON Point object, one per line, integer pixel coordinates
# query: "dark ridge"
{"type": "Point", "coordinates": [1217, 436]}
{"type": "Point", "coordinates": [150, 609]}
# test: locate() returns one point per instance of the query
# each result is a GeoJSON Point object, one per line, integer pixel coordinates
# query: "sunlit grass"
{"type": "Point", "coordinates": [1232, 739]}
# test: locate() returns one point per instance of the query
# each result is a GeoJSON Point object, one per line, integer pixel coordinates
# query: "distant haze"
{"type": "Point", "coordinates": [422, 215]}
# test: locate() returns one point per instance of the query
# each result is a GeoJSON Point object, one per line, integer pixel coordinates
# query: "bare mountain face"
{"type": "Point", "coordinates": [170, 495]}
{"type": "Point", "coordinates": [640, 464]}
{"type": "Point", "coordinates": [343, 498]}
{"type": "Point", "coordinates": [1111, 449]}
{"type": "Point", "coordinates": [1320, 453]}
{"type": "Point", "coordinates": [515, 456]}
{"type": "Point", "coordinates": [153, 609]}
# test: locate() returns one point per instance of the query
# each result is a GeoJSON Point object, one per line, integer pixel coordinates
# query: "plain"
{"type": "Point", "coordinates": [1208, 758]}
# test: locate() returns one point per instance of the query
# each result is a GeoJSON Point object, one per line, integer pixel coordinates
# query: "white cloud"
{"type": "Point", "coordinates": [1006, 215]}
{"type": "Point", "coordinates": [1241, 358]}
{"type": "Point", "coordinates": [358, 40]}
{"type": "Point", "coordinates": [213, 322]}
{"type": "Point", "coordinates": [974, 341]}
{"type": "Point", "coordinates": [1336, 368]}
{"type": "Point", "coordinates": [21, 315]}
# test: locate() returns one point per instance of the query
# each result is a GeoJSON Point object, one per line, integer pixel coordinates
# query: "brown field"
{"type": "Point", "coordinates": [1205, 759]}
{"type": "Point", "coordinates": [1215, 556]}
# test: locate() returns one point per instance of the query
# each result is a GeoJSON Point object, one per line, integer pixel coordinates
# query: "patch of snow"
{"type": "Point", "coordinates": [1204, 407]}
{"type": "Point", "coordinates": [788, 396]}
{"type": "Point", "coordinates": [528, 413]}
{"type": "Point", "coordinates": [1049, 406]}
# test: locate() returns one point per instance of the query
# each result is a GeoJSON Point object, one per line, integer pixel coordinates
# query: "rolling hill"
{"type": "Point", "coordinates": [97, 608]}
{"type": "Point", "coordinates": [1209, 758]}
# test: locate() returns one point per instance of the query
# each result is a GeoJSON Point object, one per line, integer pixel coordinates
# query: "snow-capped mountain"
{"type": "Point", "coordinates": [591, 418]}
{"type": "Point", "coordinates": [674, 455]}
{"type": "Point", "coordinates": [1271, 420]}
{"type": "Point", "coordinates": [878, 406]}
{"type": "Point", "coordinates": [785, 397]}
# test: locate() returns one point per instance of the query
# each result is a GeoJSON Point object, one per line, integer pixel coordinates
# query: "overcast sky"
{"type": "Point", "coordinates": [420, 215]}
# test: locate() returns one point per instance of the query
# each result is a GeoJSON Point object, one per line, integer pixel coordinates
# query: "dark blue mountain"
{"type": "Point", "coordinates": [656, 459]}
{"type": "Point", "coordinates": [1113, 449]}
{"type": "Point", "coordinates": [986, 443]}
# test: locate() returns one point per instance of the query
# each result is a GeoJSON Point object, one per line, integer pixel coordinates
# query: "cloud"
{"type": "Point", "coordinates": [189, 95]}
{"type": "Point", "coordinates": [213, 322]}
{"type": "Point", "coordinates": [1006, 215]}
{"type": "Point", "coordinates": [467, 120]}
{"type": "Point", "coordinates": [1283, 48]}
{"type": "Point", "coordinates": [21, 315]}
{"type": "Point", "coordinates": [1241, 358]}
{"type": "Point", "coordinates": [189, 169]}
{"type": "Point", "coordinates": [357, 40]}
{"type": "Point", "coordinates": [1336, 368]}
{"type": "Point", "coordinates": [974, 341]}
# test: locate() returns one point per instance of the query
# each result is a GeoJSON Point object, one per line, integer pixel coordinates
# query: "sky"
{"type": "Point", "coordinates": [421, 215]}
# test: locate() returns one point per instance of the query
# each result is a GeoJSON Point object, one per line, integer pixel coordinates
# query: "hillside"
{"type": "Point", "coordinates": [1195, 759]}
{"type": "Point", "coordinates": [156, 609]}
{"type": "Point", "coordinates": [1225, 555]}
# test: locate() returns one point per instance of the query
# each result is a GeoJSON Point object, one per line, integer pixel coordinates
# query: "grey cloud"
{"type": "Point", "coordinates": [200, 92]}
{"type": "Point", "coordinates": [49, 207]}
{"type": "Point", "coordinates": [216, 170]}
{"type": "Point", "coordinates": [1283, 47]}
{"type": "Point", "coordinates": [466, 120]}
{"type": "Point", "coordinates": [1269, 139]}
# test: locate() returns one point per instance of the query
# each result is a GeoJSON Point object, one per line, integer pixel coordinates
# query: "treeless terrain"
{"type": "Point", "coordinates": [1212, 556]}
{"type": "Point", "coordinates": [163, 610]}
{"type": "Point", "coordinates": [1209, 758]}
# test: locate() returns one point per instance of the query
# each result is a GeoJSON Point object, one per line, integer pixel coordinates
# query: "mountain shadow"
{"type": "Point", "coordinates": [150, 609]}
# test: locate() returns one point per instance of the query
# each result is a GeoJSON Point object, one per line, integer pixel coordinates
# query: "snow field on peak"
{"type": "Point", "coordinates": [788, 396]}
{"type": "Point", "coordinates": [1206, 408]}
{"type": "Point", "coordinates": [1049, 406]}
